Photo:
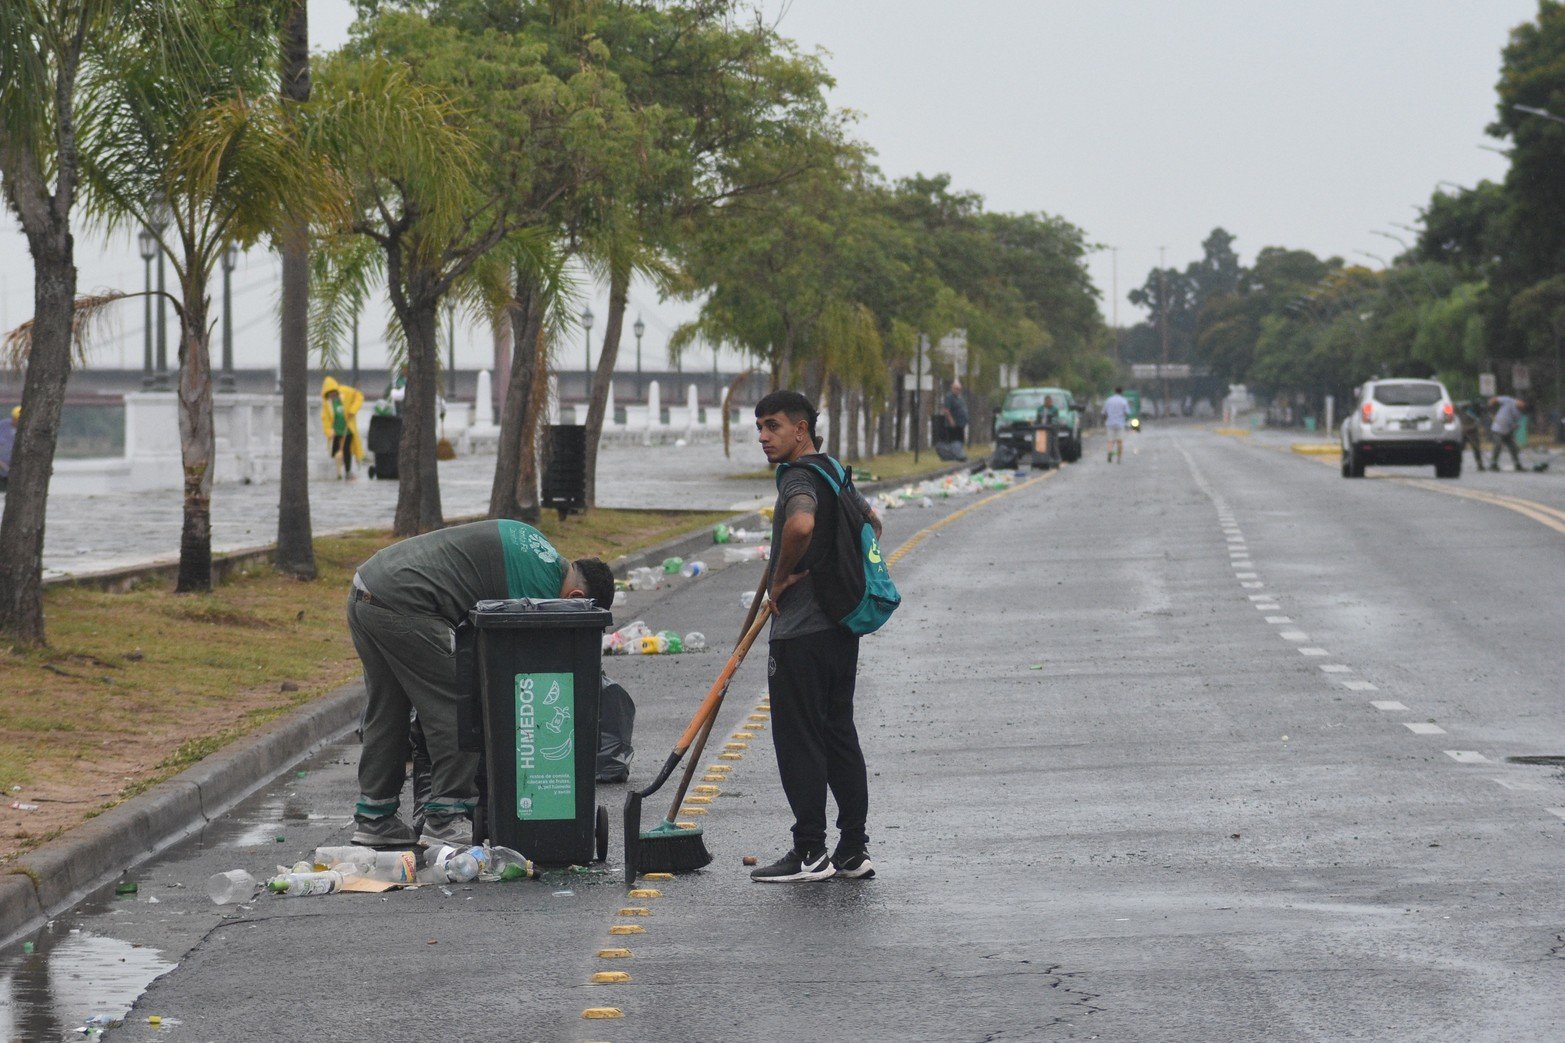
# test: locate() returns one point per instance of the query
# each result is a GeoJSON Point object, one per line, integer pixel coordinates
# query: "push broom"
{"type": "Point", "coordinates": [669, 847]}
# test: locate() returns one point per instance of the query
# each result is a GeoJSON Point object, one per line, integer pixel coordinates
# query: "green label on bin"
{"type": "Point", "coordinates": [545, 746]}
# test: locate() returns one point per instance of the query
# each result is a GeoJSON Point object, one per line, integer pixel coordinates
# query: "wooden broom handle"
{"type": "Point", "coordinates": [715, 696]}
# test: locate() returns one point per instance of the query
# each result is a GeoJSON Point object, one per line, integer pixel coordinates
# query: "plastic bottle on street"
{"type": "Point", "coordinates": [671, 642]}
{"type": "Point", "coordinates": [695, 641]}
{"type": "Point", "coordinates": [693, 569]}
{"type": "Point", "coordinates": [502, 863]}
{"type": "Point", "coordinates": [720, 533]}
{"type": "Point", "coordinates": [393, 867]}
{"type": "Point", "coordinates": [236, 885]}
{"type": "Point", "coordinates": [748, 536]}
{"type": "Point", "coordinates": [303, 885]}
{"type": "Point", "coordinates": [753, 553]}
{"type": "Point", "coordinates": [672, 565]}
{"type": "Point", "coordinates": [451, 865]}
{"type": "Point", "coordinates": [651, 644]}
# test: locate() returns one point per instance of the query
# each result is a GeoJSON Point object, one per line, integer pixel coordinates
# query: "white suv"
{"type": "Point", "coordinates": [1402, 422]}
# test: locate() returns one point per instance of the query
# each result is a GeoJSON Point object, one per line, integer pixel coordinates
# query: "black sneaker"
{"type": "Point", "coordinates": [854, 865]}
{"type": "Point", "coordinates": [795, 867]}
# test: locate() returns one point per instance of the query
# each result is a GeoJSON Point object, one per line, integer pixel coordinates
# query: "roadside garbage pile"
{"type": "Point", "coordinates": [352, 868]}
{"type": "Point", "coordinates": [639, 639]}
{"type": "Point", "coordinates": [925, 493]}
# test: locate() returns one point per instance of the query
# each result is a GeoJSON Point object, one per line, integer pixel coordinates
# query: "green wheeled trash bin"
{"type": "Point", "coordinates": [540, 680]}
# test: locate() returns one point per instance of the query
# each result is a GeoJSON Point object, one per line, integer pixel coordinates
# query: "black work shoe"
{"type": "Point", "coordinates": [854, 865]}
{"type": "Point", "coordinates": [386, 831]}
{"type": "Point", "coordinates": [795, 867]}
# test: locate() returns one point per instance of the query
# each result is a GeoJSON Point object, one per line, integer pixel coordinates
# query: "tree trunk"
{"type": "Point", "coordinates": [502, 362]}
{"type": "Point", "coordinates": [854, 398]}
{"type": "Point", "coordinates": [833, 394]}
{"type": "Point", "coordinates": [32, 457]}
{"type": "Point", "coordinates": [295, 540]}
{"type": "Point", "coordinates": [418, 484]}
{"type": "Point", "coordinates": [514, 493]}
{"type": "Point", "coordinates": [197, 444]}
{"type": "Point", "coordinates": [619, 293]}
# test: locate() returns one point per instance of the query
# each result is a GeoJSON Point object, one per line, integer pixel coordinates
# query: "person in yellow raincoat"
{"type": "Point", "coordinates": [340, 419]}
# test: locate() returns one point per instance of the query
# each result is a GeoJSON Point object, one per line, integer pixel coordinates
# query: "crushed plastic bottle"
{"type": "Point", "coordinates": [503, 864]}
{"type": "Point", "coordinates": [645, 578]}
{"type": "Point", "coordinates": [763, 552]}
{"type": "Point", "coordinates": [672, 565]}
{"type": "Point", "coordinates": [692, 569]}
{"type": "Point", "coordinates": [670, 642]}
{"type": "Point", "coordinates": [231, 887]}
{"type": "Point", "coordinates": [17, 805]}
{"type": "Point", "coordinates": [451, 865]}
{"type": "Point", "coordinates": [720, 533]}
{"type": "Point", "coordinates": [392, 867]}
{"type": "Point", "coordinates": [303, 885]}
{"type": "Point", "coordinates": [695, 641]}
{"type": "Point", "coordinates": [746, 600]}
{"type": "Point", "coordinates": [651, 645]}
{"type": "Point", "coordinates": [748, 536]}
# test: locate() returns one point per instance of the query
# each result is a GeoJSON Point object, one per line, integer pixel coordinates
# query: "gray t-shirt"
{"type": "Point", "coordinates": [799, 613]}
{"type": "Point", "coordinates": [1507, 418]}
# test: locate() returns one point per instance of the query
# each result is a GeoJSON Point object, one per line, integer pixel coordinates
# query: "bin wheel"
{"type": "Point", "coordinates": [601, 833]}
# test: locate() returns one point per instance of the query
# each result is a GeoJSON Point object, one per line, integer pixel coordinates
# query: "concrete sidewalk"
{"type": "Point", "coordinates": [102, 532]}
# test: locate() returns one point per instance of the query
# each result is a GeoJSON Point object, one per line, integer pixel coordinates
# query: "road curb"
{"type": "Point", "coordinates": [49, 880]}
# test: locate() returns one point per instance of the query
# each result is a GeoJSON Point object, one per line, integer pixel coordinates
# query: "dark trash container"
{"type": "Point", "coordinates": [540, 679]}
{"type": "Point", "coordinates": [565, 470]}
{"type": "Point", "coordinates": [384, 437]}
{"type": "Point", "coordinates": [616, 723]}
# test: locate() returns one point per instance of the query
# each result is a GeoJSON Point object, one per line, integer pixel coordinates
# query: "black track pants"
{"type": "Point", "coordinates": [817, 744]}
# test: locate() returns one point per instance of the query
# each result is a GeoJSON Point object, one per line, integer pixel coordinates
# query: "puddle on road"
{"type": "Point", "coordinates": [263, 824]}
{"type": "Point", "coordinates": [72, 975]}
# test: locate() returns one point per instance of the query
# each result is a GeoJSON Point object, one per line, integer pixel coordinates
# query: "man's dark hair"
{"type": "Point", "coordinates": [598, 580]}
{"type": "Point", "coordinates": [1119, 391]}
{"type": "Point", "coordinates": [792, 405]}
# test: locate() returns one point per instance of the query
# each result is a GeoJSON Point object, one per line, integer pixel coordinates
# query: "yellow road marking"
{"type": "Point", "coordinates": [1543, 514]}
{"type": "Point", "coordinates": [609, 977]}
{"type": "Point", "coordinates": [600, 1013]}
{"type": "Point", "coordinates": [922, 534]}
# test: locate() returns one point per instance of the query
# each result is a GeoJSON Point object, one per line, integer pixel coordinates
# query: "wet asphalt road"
{"type": "Point", "coordinates": [1207, 746]}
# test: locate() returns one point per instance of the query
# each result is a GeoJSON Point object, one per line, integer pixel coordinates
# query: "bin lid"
{"type": "Point", "coordinates": [540, 614]}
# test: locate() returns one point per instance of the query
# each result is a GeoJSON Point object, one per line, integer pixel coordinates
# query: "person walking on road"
{"type": "Point", "coordinates": [1507, 418]}
{"type": "Point", "coordinates": [813, 665]}
{"type": "Point", "coordinates": [1116, 414]}
{"type": "Point", "coordinates": [7, 444]}
{"type": "Point", "coordinates": [1471, 415]}
{"type": "Point", "coordinates": [404, 610]}
{"type": "Point", "coordinates": [340, 406]}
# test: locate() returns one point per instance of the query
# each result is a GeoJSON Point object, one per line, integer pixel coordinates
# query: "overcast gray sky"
{"type": "Point", "coordinates": [1147, 123]}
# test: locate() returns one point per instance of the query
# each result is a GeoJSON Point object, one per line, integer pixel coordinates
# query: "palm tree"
{"type": "Point", "coordinates": [198, 133]}
{"type": "Point", "coordinates": [51, 52]}
{"type": "Point", "coordinates": [295, 546]}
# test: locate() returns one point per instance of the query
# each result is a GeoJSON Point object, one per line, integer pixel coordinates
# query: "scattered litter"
{"type": "Point", "coordinates": [27, 948]}
{"type": "Point", "coordinates": [761, 552]}
{"type": "Point", "coordinates": [723, 534]}
{"type": "Point", "coordinates": [695, 641]}
{"type": "Point", "coordinates": [280, 839]}
{"type": "Point", "coordinates": [672, 565]}
{"type": "Point", "coordinates": [304, 885]}
{"type": "Point", "coordinates": [750, 860]}
{"type": "Point", "coordinates": [692, 569]}
{"type": "Point", "coordinates": [236, 885]}
{"type": "Point", "coordinates": [300, 774]}
{"type": "Point", "coordinates": [127, 887]}
{"type": "Point", "coordinates": [925, 493]}
{"type": "Point", "coordinates": [16, 789]}
{"type": "Point", "coordinates": [17, 805]}
{"type": "Point", "coordinates": [564, 894]}
{"type": "Point", "coordinates": [637, 638]}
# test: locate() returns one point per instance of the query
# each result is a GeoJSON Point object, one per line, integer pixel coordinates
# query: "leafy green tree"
{"type": "Point", "coordinates": [194, 129]}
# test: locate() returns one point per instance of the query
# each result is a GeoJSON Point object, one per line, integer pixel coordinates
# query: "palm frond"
{"type": "Point", "coordinates": [89, 320]}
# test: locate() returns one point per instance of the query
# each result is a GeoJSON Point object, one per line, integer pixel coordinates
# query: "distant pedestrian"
{"type": "Point", "coordinates": [340, 406]}
{"type": "Point", "coordinates": [1471, 414]}
{"type": "Point", "coordinates": [7, 443]}
{"type": "Point", "coordinates": [1116, 414]}
{"type": "Point", "coordinates": [1507, 418]}
{"type": "Point", "coordinates": [813, 666]}
{"type": "Point", "coordinates": [954, 409]}
{"type": "Point", "coordinates": [405, 608]}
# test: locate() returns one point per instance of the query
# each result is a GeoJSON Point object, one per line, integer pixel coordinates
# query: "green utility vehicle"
{"type": "Point", "coordinates": [1022, 406]}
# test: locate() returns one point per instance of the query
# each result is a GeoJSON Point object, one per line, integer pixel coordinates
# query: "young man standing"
{"type": "Point", "coordinates": [1116, 414]}
{"type": "Point", "coordinates": [812, 665]}
{"type": "Point", "coordinates": [1507, 418]}
{"type": "Point", "coordinates": [405, 607]}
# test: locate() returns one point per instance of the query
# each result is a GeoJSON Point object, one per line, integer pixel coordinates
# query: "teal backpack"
{"type": "Point", "coordinates": [849, 573]}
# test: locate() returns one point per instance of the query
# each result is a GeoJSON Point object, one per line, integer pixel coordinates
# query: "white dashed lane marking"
{"type": "Point", "coordinates": [1293, 635]}
{"type": "Point", "coordinates": [1423, 728]}
{"type": "Point", "coordinates": [1261, 597]}
{"type": "Point", "coordinates": [1269, 607]}
{"type": "Point", "coordinates": [1335, 668]}
{"type": "Point", "coordinates": [1386, 704]}
{"type": "Point", "coordinates": [1252, 585]}
{"type": "Point", "coordinates": [1313, 651]}
{"type": "Point", "coordinates": [1247, 575]}
{"type": "Point", "coordinates": [1360, 686]}
{"type": "Point", "coordinates": [1467, 756]}
{"type": "Point", "coordinates": [1556, 812]}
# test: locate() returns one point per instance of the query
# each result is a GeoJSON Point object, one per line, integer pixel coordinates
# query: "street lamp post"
{"type": "Point", "coordinates": [639, 328]}
{"type": "Point", "coordinates": [159, 219]}
{"type": "Point", "coordinates": [450, 349]}
{"type": "Point", "coordinates": [147, 245]}
{"type": "Point", "coordinates": [225, 382]}
{"type": "Point", "coordinates": [586, 343]}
